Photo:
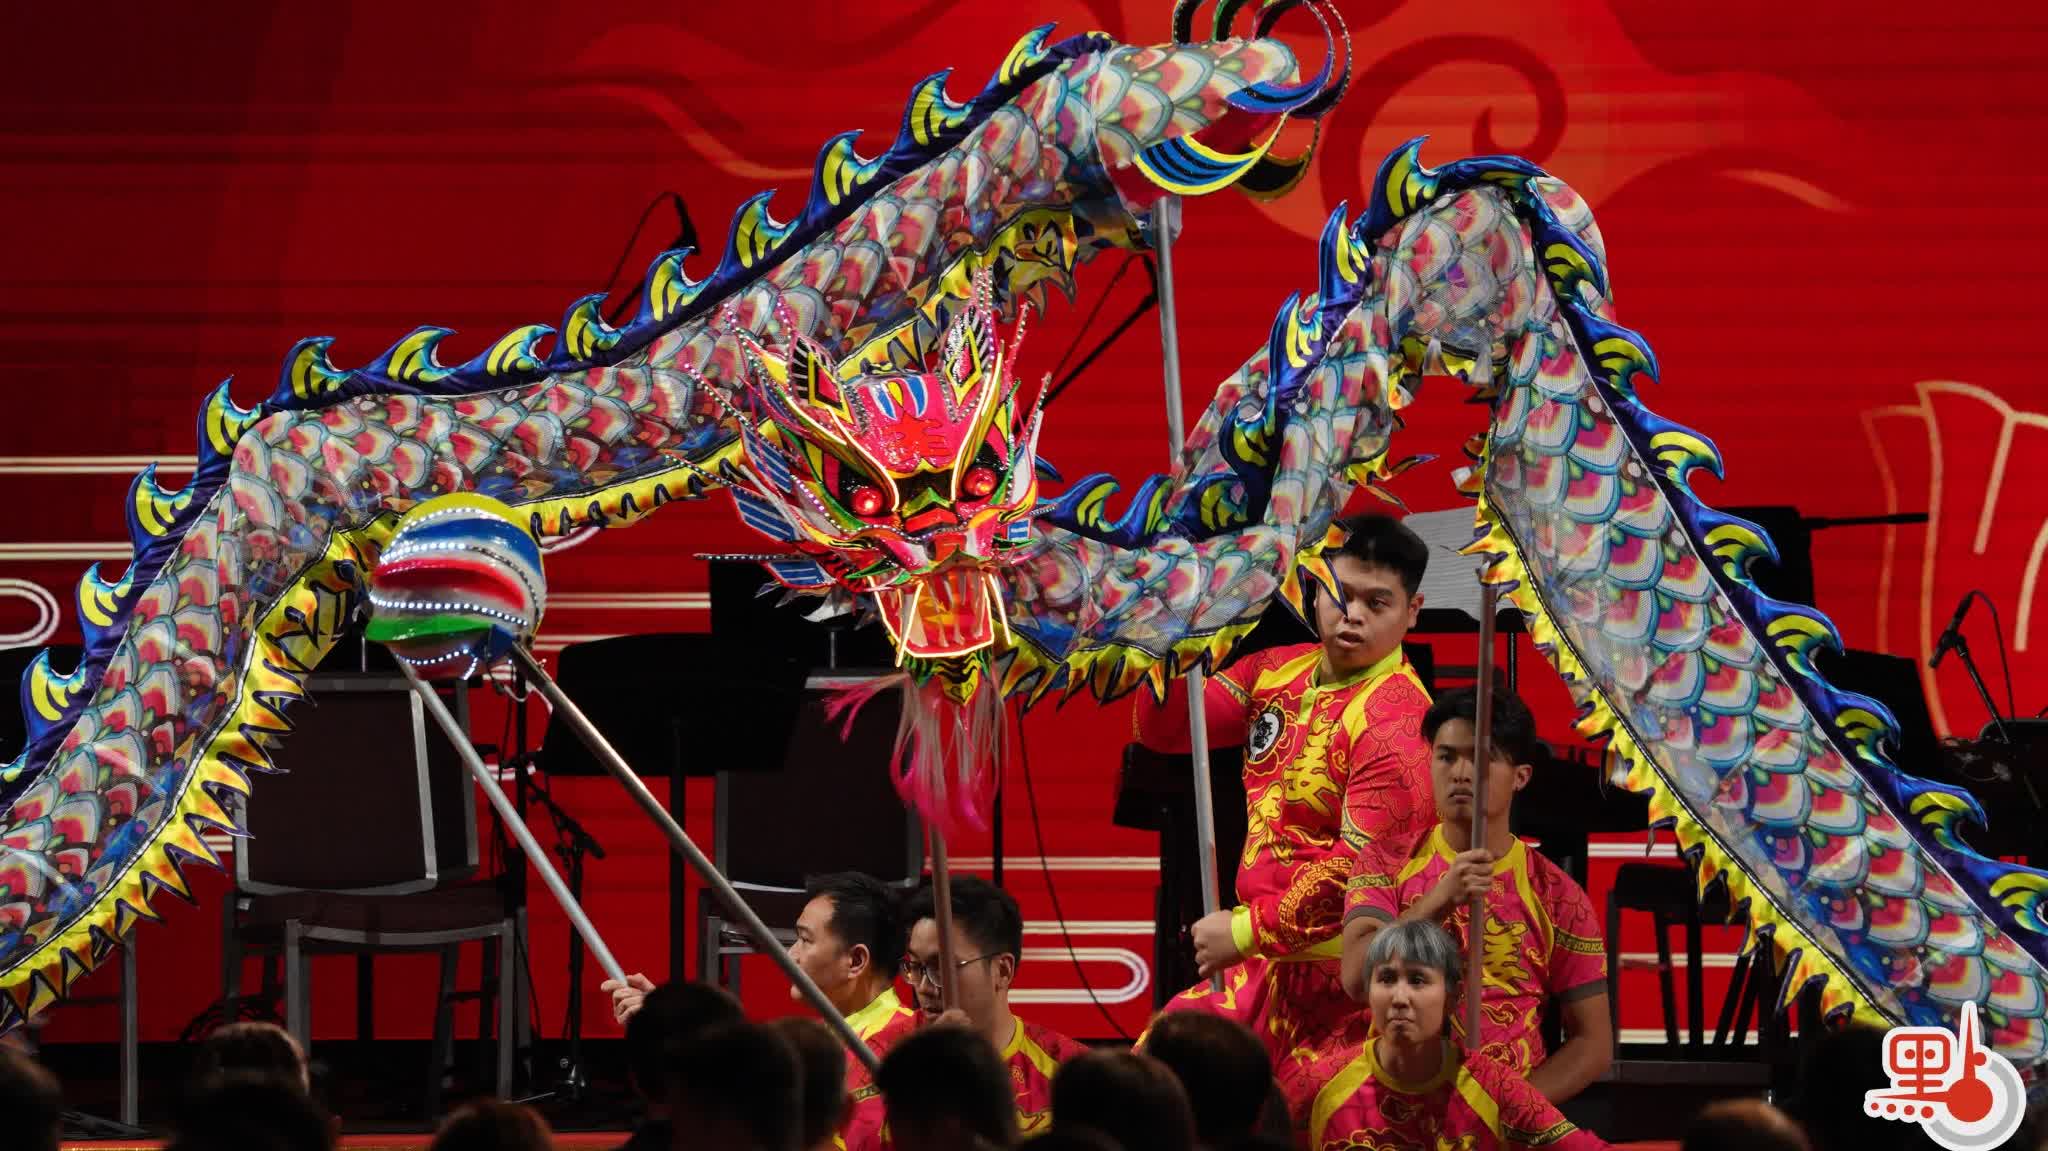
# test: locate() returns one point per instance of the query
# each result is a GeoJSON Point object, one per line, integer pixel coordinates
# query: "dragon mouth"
{"type": "Point", "coordinates": [951, 612]}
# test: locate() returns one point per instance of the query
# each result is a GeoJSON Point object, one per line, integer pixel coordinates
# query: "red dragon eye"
{"type": "Point", "coordinates": [866, 501]}
{"type": "Point", "coordinates": [978, 482]}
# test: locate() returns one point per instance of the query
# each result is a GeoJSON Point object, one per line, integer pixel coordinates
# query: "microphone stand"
{"type": "Point", "coordinates": [1961, 647]}
{"type": "Point", "coordinates": [573, 842]}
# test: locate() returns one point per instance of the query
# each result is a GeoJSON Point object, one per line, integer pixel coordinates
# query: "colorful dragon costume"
{"type": "Point", "coordinates": [842, 376]}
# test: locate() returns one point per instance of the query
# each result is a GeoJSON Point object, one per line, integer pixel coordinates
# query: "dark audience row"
{"type": "Point", "coordinates": [712, 1079]}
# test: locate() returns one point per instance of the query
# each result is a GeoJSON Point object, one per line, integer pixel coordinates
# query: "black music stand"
{"type": "Point", "coordinates": [676, 705]}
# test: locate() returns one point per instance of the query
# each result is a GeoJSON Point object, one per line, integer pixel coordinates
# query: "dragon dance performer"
{"type": "Point", "coordinates": [1334, 761]}
{"type": "Point", "coordinates": [1543, 941]}
{"type": "Point", "coordinates": [850, 940]}
{"type": "Point", "coordinates": [988, 938]}
{"type": "Point", "coordinates": [1409, 1084]}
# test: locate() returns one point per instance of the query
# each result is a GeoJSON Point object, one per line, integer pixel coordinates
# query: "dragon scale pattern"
{"type": "Point", "coordinates": [211, 648]}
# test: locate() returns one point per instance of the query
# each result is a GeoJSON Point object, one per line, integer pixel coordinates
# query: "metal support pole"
{"type": "Point", "coordinates": [1165, 218]}
{"type": "Point", "coordinates": [523, 834]}
{"type": "Point", "coordinates": [1482, 766]}
{"type": "Point", "coordinates": [602, 750]}
{"type": "Point", "coordinates": [131, 1035]}
{"type": "Point", "coordinates": [942, 915]}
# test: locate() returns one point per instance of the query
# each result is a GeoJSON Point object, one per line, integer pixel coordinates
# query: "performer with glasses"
{"type": "Point", "coordinates": [988, 935]}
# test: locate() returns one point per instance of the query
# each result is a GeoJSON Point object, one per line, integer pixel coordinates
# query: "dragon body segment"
{"type": "Point", "coordinates": [243, 579]}
{"type": "Point", "coordinates": [1775, 783]}
{"type": "Point", "coordinates": [775, 374]}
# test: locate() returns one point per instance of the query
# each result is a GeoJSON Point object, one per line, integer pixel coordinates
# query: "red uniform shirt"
{"type": "Point", "coordinates": [1474, 1105]}
{"type": "Point", "coordinates": [1542, 940]}
{"type": "Point", "coordinates": [1328, 768]}
{"type": "Point", "coordinates": [880, 1025]}
{"type": "Point", "coordinates": [1032, 1057]}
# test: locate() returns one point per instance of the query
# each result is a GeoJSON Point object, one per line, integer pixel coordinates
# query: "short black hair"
{"type": "Point", "coordinates": [251, 1047]}
{"type": "Point", "coordinates": [943, 1073]}
{"type": "Point", "coordinates": [1514, 725]}
{"type": "Point", "coordinates": [1383, 541]}
{"type": "Point", "coordinates": [821, 1064]}
{"type": "Point", "coordinates": [986, 914]}
{"type": "Point", "coordinates": [1744, 1125]}
{"type": "Point", "coordinates": [743, 1074]}
{"type": "Point", "coordinates": [30, 1100]}
{"type": "Point", "coordinates": [864, 911]}
{"type": "Point", "coordinates": [1132, 1098]}
{"type": "Point", "coordinates": [1224, 1067]}
{"type": "Point", "coordinates": [669, 1015]}
{"type": "Point", "coordinates": [1073, 1137]}
{"type": "Point", "coordinates": [493, 1125]}
{"type": "Point", "coordinates": [249, 1113]}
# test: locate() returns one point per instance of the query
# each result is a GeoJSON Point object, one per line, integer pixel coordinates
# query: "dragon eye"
{"type": "Point", "coordinates": [855, 491]}
{"type": "Point", "coordinates": [978, 483]}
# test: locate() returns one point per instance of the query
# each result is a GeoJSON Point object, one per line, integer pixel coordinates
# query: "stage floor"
{"type": "Point", "coordinates": [570, 1141]}
{"type": "Point", "coordinates": [576, 1141]}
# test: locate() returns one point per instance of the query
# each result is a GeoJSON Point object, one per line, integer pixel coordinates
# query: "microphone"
{"type": "Point", "coordinates": [686, 232]}
{"type": "Point", "coordinates": [1954, 634]}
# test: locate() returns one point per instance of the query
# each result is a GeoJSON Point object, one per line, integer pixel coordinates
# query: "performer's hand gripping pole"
{"type": "Point", "coordinates": [1165, 218]}
{"type": "Point", "coordinates": [1482, 766]}
{"type": "Point", "coordinates": [509, 815]}
{"type": "Point", "coordinates": [764, 940]}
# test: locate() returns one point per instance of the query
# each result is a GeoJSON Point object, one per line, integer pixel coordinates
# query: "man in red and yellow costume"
{"type": "Point", "coordinates": [1334, 760]}
{"type": "Point", "coordinates": [1542, 942]}
{"type": "Point", "coordinates": [850, 940]}
{"type": "Point", "coordinates": [988, 942]}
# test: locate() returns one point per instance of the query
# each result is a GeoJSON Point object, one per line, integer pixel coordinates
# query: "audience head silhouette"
{"type": "Point", "coordinates": [250, 1113]}
{"type": "Point", "coordinates": [670, 1014]}
{"type": "Point", "coordinates": [1743, 1125]}
{"type": "Point", "coordinates": [737, 1086]}
{"type": "Point", "coordinates": [1129, 1097]}
{"type": "Point", "coordinates": [253, 1048]}
{"type": "Point", "coordinates": [821, 1066]}
{"type": "Point", "coordinates": [492, 1125]}
{"type": "Point", "coordinates": [1224, 1068]}
{"type": "Point", "coordinates": [943, 1088]}
{"type": "Point", "coordinates": [30, 1101]}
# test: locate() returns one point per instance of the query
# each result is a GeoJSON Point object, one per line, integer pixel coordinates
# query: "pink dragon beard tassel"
{"type": "Point", "coordinates": [949, 755]}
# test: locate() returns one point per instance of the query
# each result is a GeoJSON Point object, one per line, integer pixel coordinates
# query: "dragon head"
{"type": "Point", "coordinates": [906, 487]}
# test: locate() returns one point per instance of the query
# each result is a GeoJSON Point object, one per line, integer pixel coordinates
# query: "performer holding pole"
{"type": "Point", "coordinates": [460, 587]}
{"type": "Point", "coordinates": [1334, 761]}
{"type": "Point", "coordinates": [1543, 955]}
{"type": "Point", "coordinates": [1165, 218]}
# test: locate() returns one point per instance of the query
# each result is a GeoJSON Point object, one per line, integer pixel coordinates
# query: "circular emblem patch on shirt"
{"type": "Point", "coordinates": [1265, 733]}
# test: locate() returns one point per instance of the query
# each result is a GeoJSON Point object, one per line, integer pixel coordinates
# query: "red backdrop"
{"type": "Point", "coordinates": [1818, 213]}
